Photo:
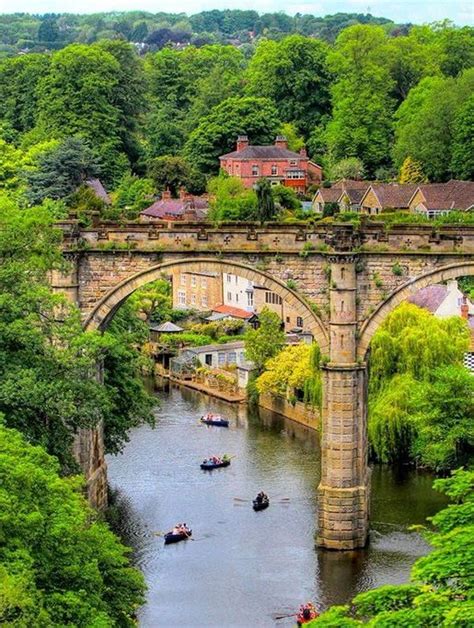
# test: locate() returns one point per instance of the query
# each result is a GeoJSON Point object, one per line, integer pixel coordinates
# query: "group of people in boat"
{"type": "Point", "coordinates": [181, 529]}
{"type": "Point", "coordinates": [306, 613]}
{"type": "Point", "coordinates": [216, 459]}
{"type": "Point", "coordinates": [211, 417]}
{"type": "Point", "coordinates": [261, 497]}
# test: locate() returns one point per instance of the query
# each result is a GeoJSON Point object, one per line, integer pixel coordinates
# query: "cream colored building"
{"type": "Point", "coordinates": [199, 291]}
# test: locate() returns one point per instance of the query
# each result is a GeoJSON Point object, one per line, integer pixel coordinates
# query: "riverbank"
{"type": "Point", "coordinates": [230, 397]}
{"type": "Point", "coordinates": [298, 412]}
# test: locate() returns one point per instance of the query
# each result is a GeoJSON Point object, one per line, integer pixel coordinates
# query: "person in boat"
{"type": "Point", "coordinates": [261, 497]}
{"type": "Point", "coordinates": [306, 613]}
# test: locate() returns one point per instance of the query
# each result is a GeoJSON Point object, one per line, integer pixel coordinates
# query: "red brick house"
{"type": "Point", "coordinates": [276, 163]}
{"type": "Point", "coordinates": [186, 207]}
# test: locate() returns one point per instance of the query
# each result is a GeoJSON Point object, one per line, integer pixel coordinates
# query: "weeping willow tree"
{"type": "Point", "coordinates": [413, 356]}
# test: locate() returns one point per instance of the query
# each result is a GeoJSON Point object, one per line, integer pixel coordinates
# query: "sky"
{"type": "Point", "coordinates": [416, 11]}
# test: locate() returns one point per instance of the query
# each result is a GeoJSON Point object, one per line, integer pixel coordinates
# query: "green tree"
{"type": "Point", "coordinates": [133, 195]}
{"type": "Point", "coordinates": [361, 125]}
{"type": "Point", "coordinates": [48, 365]}
{"type": "Point", "coordinates": [59, 564]}
{"type": "Point", "coordinates": [77, 97]}
{"type": "Point", "coordinates": [441, 589]}
{"type": "Point", "coordinates": [217, 132]}
{"type": "Point", "coordinates": [425, 124]}
{"type": "Point", "coordinates": [411, 172]}
{"type": "Point", "coordinates": [61, 170]}
{"type": "Point", "coordinates": [293, 73]}
{"type": "Point", "coordinates": [230, 200]}
{"type": "Point", "coordinates": [462, 163]}
{"type": "Point", "coordinates": [266, 209]}
{"type": "Point", "coordinates": [265, 342]}
{"type": "Point", "coordinates": [173, 173]}
{"type": "Point", "coordinates": [349, 168]}
{"type": "Point", "coordinates": [418, 412]}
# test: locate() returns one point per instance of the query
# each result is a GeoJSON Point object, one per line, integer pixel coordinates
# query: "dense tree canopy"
{"type": "Point", "coordinates": [421, 396]}
{"type": "Point", "coordinates": [59, 565]}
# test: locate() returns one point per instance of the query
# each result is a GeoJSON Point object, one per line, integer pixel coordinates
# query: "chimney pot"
{"type": "Point", "coordinates": [281, 141]}
{"type": "Point", "coordinates": [166, 195]}
{"type": "Point", "coordinates": [242, 142]}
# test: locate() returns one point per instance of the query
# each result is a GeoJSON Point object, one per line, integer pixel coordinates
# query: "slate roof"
{"type": "Point", "coordinates": [394, 195]}
{"type": "Point", "coordinates": [176, 207]}
{"type": "Point", "coordinates": [226, 346]}
{"type": "Point", "coordinates": [96, 186]}
{"type": "Point", "coordinates": [329, 195]}
{"type": "Point", "coordinates": [451, 195]}
{"type": "Point", "coordinates": [263, 152]}
{"type": "Point", "coordinates": [430, 298]}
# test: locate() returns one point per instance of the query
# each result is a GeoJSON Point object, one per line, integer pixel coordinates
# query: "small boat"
{"type": "Point", "coordinates": [306, 614]}
{"type": "Point", "coordinates": [172, 537]}
{"type": "Point", "coordinates": [211, 419]}
{"type": "Point", "coordinates": [260, 504]}
{"type": "Point", "coordinates": [210, 464]}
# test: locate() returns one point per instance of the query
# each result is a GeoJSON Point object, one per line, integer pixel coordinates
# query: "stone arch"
{"type": "Point", "coordinates": [401, 294]}
{"type": "Point", "coordinates": [108, 304]}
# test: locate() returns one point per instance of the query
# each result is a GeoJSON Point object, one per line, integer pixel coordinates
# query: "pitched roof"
{"type": "Point", "coordinates": [167, 327]}
{"type": "Point", "coordinates": [430, 298]}
{"type": "Point", "coordinates": [263, 152]}
{"type": "Point", "coordinates": [176, 207]}
{"type": "Point", "coordinates": [451, 195]}
{"type": "Point", "coordinates": [393, 195]}
{"type": "Point", "coordinates": [329, 195]}
{"type": "Point", "coordinates": [96, 186]}
{"type": "Point", "coordinates": [225, 346]}
{"type": "Point", "coordinates": [355, 195]}
{"type": "Point", "coordinates": [236, 312]}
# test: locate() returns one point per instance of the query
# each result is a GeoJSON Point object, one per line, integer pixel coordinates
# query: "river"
{"type": "Point", "coordinates": [244, 568]}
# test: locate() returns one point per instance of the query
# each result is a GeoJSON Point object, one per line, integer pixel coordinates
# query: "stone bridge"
{"type": "Point", "coordinates": [343, 280]}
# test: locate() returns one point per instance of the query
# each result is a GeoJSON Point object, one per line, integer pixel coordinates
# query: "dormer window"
{"type": "Point", "coordinates": [255, 170]}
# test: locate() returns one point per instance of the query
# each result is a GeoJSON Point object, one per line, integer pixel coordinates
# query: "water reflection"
{"type": "Point", "coordinates": [245, 568]}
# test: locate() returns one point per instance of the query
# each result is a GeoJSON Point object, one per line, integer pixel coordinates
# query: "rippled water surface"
{"type": "Point", "coordinates": [244, 568]}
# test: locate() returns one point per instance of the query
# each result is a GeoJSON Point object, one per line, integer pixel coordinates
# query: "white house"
{"type": "Point", "coordinates": [237, 292]}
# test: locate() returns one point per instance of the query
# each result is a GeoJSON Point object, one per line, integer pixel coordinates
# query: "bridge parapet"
{"type": "Point", "coordinates": [272, 237]}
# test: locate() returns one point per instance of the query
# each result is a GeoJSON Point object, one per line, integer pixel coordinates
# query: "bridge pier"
{"type": "Point", "coordinates": [345, 484]}
{"type": "Point", "coordinates": [88, 446]}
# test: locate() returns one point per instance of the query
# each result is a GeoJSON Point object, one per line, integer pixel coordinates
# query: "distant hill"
{"type": "Point", "coordinates": [22, 32]}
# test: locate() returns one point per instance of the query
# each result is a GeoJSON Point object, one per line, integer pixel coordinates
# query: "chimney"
{"type": "Point", "coordinates": [183, 194]}
{"type": "Point", "coordinates": [465, 309]}
{"type": "Point", "coordinates": [242, 142]}
{"type": "Point", "coordinates": [303, 152]}
{"type": "Point", "coordinates": [166, 195]}
{"type": "Point", "coordinates": [281, 141]}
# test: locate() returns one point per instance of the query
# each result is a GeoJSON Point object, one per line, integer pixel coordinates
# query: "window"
{"type": "Point", "coordinates": [299, 321]}
{"type": "Point", "coordinates": [255, 170]}
{"type": "Point", "coordinates": [293, 162]}
{"type": "Point", "coordinates": [274, 170]}
{"type": "Point", "coordinates": [287, 319]}
{"type": "Point", "coordinates": [236, 298]}
{"type": "Point", "coordinates": [232, 357]}
{"type": "Point", "coordinates": [221, 359]}
{"type": "Point", "coordinates": [193, 281]}
{"type": "Point", "coordinates": [295, 174]}
{"type": "Point", "coordinates": [208, 359]}
{"type": "Point", "coordinates": [204, 301]}
{"type": "Point", "coordinates": [204, 282]}
{"type": "Point", "coordinates": [193, 299]}
{"type": "Point", "coordinates": [271, 297]}
{"type": "Point", "coordinates": [229, 296]}
{"type": "Point", "coordinates": [250, 298]}
{"type": "Point", "coordinates": [229, 278]}
{"type": "Point", "coordinates": [181, 297]}
{"type": "Point", "coordinates": [236, 279]}
{"type": "Point", "coordinates": [183, 279]}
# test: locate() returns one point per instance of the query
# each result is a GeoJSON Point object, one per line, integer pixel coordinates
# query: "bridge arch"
{"type": "Point", "coordinates": [370, 326]}
{"type": "Point", "coordinates": [106, 307]}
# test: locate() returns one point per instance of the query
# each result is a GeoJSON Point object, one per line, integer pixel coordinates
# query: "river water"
{"type": "Point", "coordinates": [244, 568]}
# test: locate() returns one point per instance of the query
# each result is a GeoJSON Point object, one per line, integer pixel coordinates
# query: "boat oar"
{"type": "Point", "coordinates": [239, 499]}
{"type": "Point", "coordinates": [276, 617]}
